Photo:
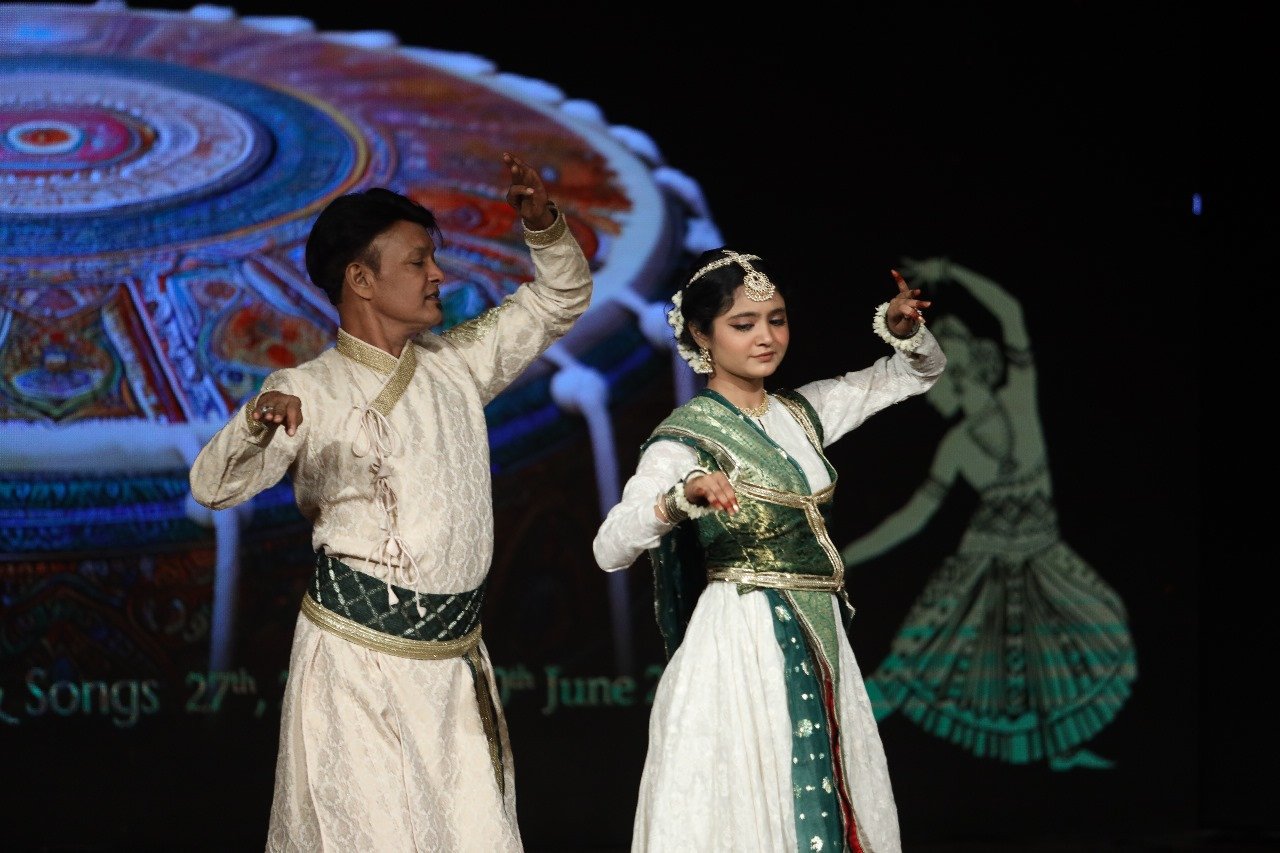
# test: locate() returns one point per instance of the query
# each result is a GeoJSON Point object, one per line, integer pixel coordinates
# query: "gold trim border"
{"type": "Point", "coordinates": [549, 235]}
{"type": "Point", "coordinates": [797, 411]}
{"type": "Point", "coordinates": [775, 580]}
{"type": "Point", "coordinates": [401, 369]}
{"type": "Point", "coordinates": [353, 631]}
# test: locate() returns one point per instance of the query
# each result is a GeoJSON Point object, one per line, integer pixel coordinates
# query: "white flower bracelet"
{"type": "Point", "coordinates": [881, 327]}
{"type": "Point", "coordinates": [676, 506]}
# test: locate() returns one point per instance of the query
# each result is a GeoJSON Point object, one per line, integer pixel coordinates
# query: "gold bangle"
{"type": "Point", "coordinates": [660, 512]}
{"type": "Point", "coordinates": [671, 508]}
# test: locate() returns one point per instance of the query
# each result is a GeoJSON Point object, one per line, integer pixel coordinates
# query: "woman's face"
{"type": "Point", "coordinates": [750, 339]}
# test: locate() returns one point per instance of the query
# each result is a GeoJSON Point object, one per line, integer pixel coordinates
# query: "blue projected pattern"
{"type": "Point", "coordinates": [137, 154]}
{"type": "Point", "coordinates": [159, 173]}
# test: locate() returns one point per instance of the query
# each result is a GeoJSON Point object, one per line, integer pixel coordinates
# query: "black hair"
{"type": "Point", "coordinates": [711, 294]}
{"type": "Point", "coordinates": [347, 227]}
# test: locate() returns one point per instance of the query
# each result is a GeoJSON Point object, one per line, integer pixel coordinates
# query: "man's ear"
{"type": "Point", "coordinates": [357, 278]}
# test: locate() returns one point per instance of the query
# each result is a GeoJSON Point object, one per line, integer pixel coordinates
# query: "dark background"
{"type": "Point", "coordinates": [1055, 148]}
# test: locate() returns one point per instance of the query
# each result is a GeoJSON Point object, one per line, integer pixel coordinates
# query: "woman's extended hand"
{"type": "Point", "coordinates": [713, 490]}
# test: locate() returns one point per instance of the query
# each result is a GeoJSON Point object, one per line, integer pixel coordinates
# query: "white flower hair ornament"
{"type": "Point", "coordinates": [675, 318]}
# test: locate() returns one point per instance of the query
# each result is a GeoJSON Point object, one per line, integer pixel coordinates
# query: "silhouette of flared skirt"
{"type": "Point", "coordinates": [1015, 650]}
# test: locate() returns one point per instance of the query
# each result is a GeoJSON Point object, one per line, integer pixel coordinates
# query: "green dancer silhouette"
{"type": "Point", "coordinates": [1016, 649]}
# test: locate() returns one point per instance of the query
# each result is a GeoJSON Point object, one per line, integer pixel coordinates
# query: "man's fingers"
{"type": "Point", "coordinates": [521, 172]}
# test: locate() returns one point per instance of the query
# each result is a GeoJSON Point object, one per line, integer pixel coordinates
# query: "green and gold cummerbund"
{"type": "Point", "coordinates": [355, 605]}
{"type": "Point", "coordinates": [421, 625]}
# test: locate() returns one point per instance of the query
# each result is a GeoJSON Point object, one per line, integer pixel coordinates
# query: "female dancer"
{"type": "Point", "coordinates": [761, 736]}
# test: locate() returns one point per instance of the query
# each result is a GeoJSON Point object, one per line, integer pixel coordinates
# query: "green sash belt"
{"type": "Point", "coordinates": [354, 605]}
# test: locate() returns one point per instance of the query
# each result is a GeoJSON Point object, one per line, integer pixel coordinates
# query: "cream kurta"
{"type": "Point", "coordinates": [717, 774]}
{"type": "Point", "coordinates": [377, 752]}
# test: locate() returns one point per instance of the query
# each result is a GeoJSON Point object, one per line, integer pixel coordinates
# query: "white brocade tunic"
{"type": "Point", "coordinates": [379, 752]}
{"type": "Point", "coordinates": [717, 774]}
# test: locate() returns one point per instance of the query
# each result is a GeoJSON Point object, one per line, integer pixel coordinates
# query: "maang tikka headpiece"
{"type": "Point", "coordinates": [757, 285]}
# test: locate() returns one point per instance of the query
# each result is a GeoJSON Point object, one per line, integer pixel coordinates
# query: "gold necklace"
{"type": "Point", "coordinates": [756, 411]}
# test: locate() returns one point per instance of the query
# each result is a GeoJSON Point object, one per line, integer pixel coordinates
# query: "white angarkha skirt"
{"type": "Point", "coordinates": [717, 776]}
{"type": "Point", "coordinates": [384, 753]}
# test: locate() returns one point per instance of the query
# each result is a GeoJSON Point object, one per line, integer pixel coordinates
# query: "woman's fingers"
{"type": "Point", "coordinates": [717, 492]}
{"type": "Point", "coordinates": [903, 288]}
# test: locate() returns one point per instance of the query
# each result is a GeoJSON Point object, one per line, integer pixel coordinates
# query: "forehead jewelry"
{"type": "Point", "coordinates": [757, 285]}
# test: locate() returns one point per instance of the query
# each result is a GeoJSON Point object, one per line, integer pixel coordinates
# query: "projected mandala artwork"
{"type": "Point", "coordinates": [159, 172]}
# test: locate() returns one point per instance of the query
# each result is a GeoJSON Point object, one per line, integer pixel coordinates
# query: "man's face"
{"type": "Point", "coordinates": [405, 287]}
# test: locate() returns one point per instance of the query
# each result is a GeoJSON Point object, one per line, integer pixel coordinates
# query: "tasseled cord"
{"type": "Point", "coordinates": [377, 437]}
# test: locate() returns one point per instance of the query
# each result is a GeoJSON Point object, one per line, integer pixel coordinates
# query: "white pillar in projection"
{"type": "Point", "coordinates": [139, 447]}
{"type": "Point", "coordinates": [700, 235]}
{"type": "Point", "coordinates": [578, 389]}
{"type": "Point", "coordinates": [226, 524]}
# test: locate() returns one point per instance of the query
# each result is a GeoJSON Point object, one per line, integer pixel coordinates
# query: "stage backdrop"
{"type": "Point", "coordinates": [1020, 541]}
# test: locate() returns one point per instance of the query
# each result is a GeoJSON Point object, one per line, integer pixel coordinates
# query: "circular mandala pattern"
{"type": "Point", "coordinates": [159, 173]}
{"type": "Point", "coordinates": [126, 155]}
{"type": "Point", "coordinates": [80, 144]}
{"type": "Point", "coordinates": [47, 135]}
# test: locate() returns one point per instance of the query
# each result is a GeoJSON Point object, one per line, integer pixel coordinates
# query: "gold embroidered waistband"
{"type": "Point", "coordinates": [775, 580]}
{"type": "Point", "coordinates": [791, 499]}
{"type": "Point", "coordinates": [387, 643]}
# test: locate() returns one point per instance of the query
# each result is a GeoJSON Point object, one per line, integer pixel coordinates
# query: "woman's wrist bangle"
{"type": "Point", "coordinates": [660, 510]}
{"type": "Point", "coordinates": [880, 325]}
{"type": "Point", "coordinates": [675, 506]}
{"type": "Point", "coordinates": [669, 508]}
{"type": "Point", "coordinates": [693, 474]}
